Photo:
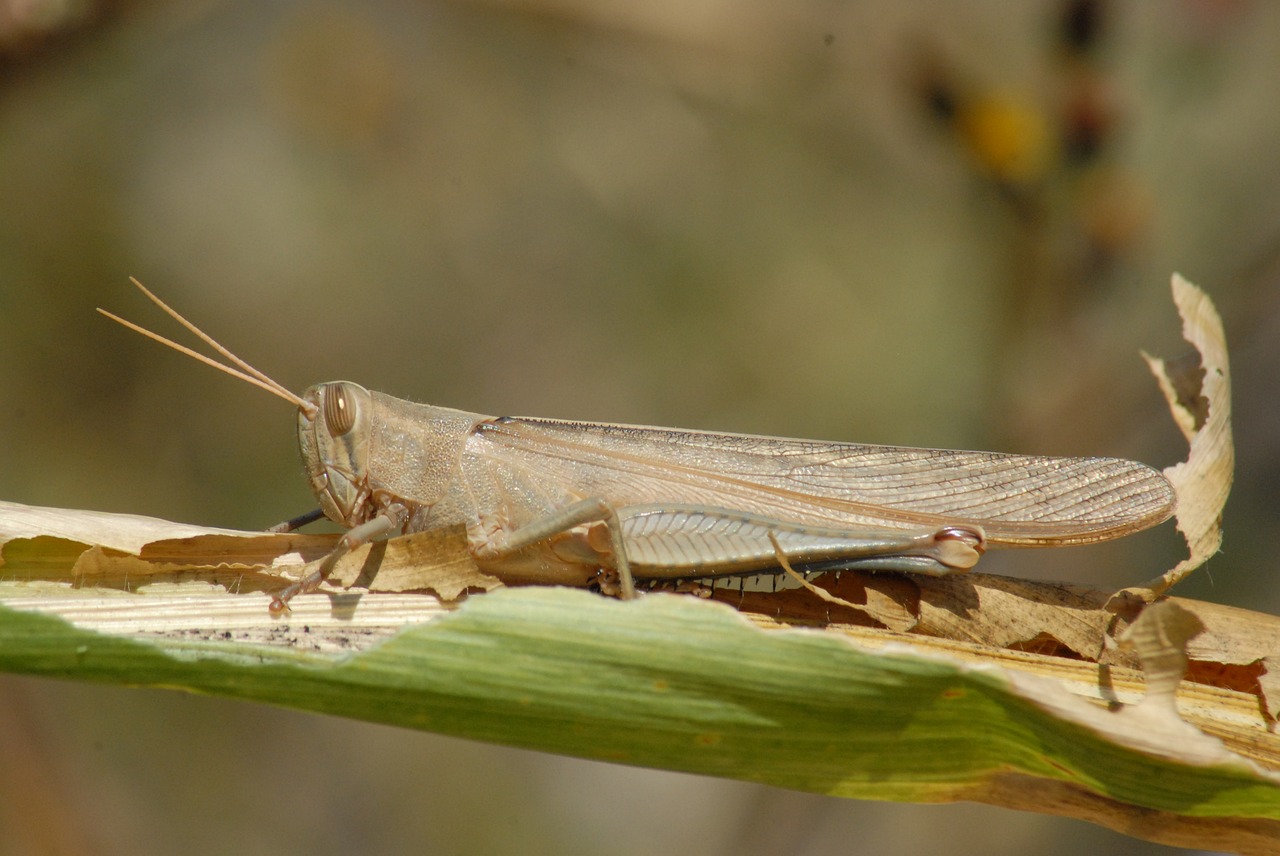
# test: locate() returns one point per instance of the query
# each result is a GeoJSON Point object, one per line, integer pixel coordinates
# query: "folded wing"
{"type": "Point", "coordinates": [1017, 499]}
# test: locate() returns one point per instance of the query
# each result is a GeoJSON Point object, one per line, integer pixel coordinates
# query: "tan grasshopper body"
{"type": "Point", "coordinates": [562, 502]}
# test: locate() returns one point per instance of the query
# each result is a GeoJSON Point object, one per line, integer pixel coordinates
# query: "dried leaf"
{"type": "Point", "coordinates": [1269, 681]}
{"type": "Point", "coordinates": [1011, 613]}
{"type": "Point", "coordinates": [127, 533]}
{"type": "Point", "coordinates": [98, 549]}
{"type": "Point", "coordinates": [1203, 481]}
{"type": "Point", "coordinates": [1160, 636]}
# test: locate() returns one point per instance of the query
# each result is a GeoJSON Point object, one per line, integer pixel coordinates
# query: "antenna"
{"type": "Point", "coordinates": [245, 372]}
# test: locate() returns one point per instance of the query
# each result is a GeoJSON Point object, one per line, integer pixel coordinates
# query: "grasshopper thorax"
{"type": "Point", "coordinates": [333, 437]}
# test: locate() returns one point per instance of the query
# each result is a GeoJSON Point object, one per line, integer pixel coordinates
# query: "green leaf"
{"type": "Point", "coordinates": [681, 684]}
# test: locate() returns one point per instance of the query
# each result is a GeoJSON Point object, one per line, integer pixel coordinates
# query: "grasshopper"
{"type": "Point", "coordinates": [553, 500]}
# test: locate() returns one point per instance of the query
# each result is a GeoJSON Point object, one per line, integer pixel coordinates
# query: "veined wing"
{"type": "Point", "coordinates": [1017, 499]}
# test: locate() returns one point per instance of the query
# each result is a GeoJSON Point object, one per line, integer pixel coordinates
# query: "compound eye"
{"type": "Point", "coordinates": [339, 409]}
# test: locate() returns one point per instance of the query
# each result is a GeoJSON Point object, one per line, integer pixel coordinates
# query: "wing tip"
{"type": "Point", "coordinates": [1133, 497]}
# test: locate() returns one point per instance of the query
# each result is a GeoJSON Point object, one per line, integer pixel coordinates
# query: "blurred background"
{"type": "Point", "coordinates": [924, 223]}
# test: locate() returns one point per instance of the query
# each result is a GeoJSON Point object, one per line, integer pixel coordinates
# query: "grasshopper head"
{"type": "Point", "coordinates": [333, 423]}
{"type": "Point", "coordinates": [333, 436]}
